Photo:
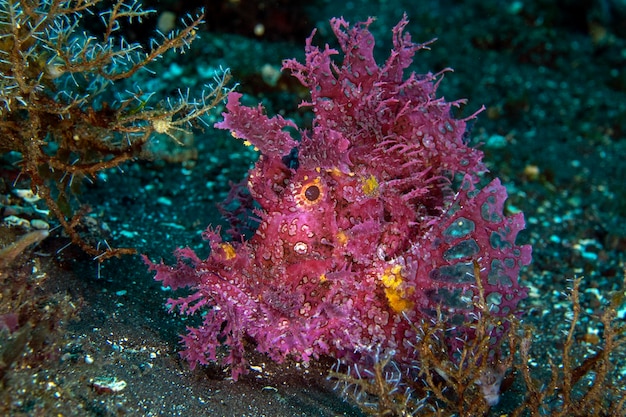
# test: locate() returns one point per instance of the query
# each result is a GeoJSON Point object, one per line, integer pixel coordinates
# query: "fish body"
{"type": "Point", "coordinates": [376, 227]}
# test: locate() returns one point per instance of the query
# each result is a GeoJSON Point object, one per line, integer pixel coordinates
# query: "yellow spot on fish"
{"type": "Point", "coordinates": [394, 290]}
{"type": "Point", "coordinates": [323, 278]}
{"type": "Point", "coordinates": [229, 251]}
{"type": "Point", "coordinates": [248, 143]}
{"type": "Point", "coordinates": [370, 186]}
{"type": "Point", "coordinates": [342, 238]}
{"type": "Point", "coordinates": [336, 172]}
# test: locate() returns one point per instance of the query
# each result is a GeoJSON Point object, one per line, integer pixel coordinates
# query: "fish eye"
{"type": "Point", "coordinates": [312, 193]}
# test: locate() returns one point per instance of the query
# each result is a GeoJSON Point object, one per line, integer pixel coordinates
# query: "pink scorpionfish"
{"type": "Point", "coordinates": [367, 223]}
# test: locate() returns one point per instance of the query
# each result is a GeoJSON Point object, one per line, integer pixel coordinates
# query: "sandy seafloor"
{"type": "Point", "coordinates": [554, 131]}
